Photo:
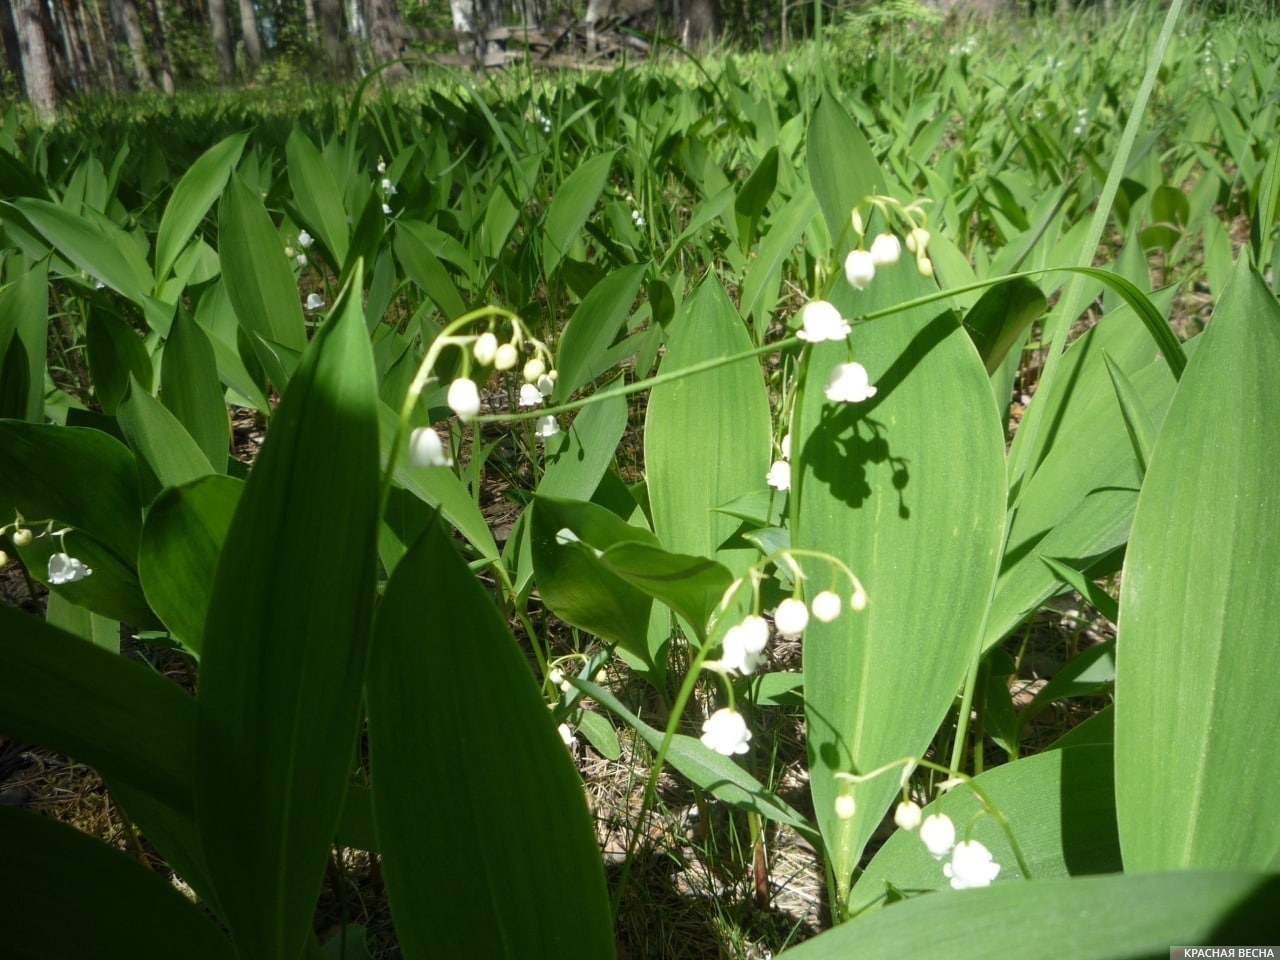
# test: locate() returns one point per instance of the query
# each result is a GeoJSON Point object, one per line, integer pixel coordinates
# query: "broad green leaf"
{"type": "Point", "coordinates": [178, 555]}
{"type": "Point", "coordinates": [595, 325]}
{"type": "Point", "coordinates": [116, 353]}
{"type": "Point", "coordinates": [574, 586]}
{"type": "Point", "coordinates": [1196, 651]}
{"type": "Point", "coordinates": [189, 388]}
{"type": "Point", "coordinates": [166, 454]}
{"type": "Point", "coordinates": [423, 267]}
{"type": "Point", "coordinates": [573, 202]}
{"type": "Point", "coordinates": [1060, 806]}
{"type": "Point", "coordinates": [195, 193]}
{"type": "Point", "coordinates": [999, 318]}
{"type": "Point", "coordinates": [118, 716]}
{"type": "Point", "coordinates": [1137, 421]}
{"type": "Point", "coordinates": [754, 197]}
{"type": "Point", "coordinates": [285, 643]}
{"type": "Point", "coordinates": [84, 623]}
{"type": "Point", "coordinates": [41, 477]}
{"type": "Point", "coordinates": [480, 858]}
{"type": "Point", "coordinates": [711, 771]}
{"type": "Point", "coordinates": [317, 195]}
{"type": "Point", "coordinates": [1103, 918]}
{"type": "Point", "coordinates": [706, 437]}
{"type": "Point", "coordinates": [760, 287]}
{"type": "Point", "coordinates": [577, 459]}
{"type": "Point", "coordinates": [256, 272]}
{"type": "Point", "coordinates": [24, 317]}
{"type": "Point", "coordinates": [842, 168]}
{"type": "Point", "coordinates": [77, 897]}
{"type": "Point", "coordinates": [907, 488]}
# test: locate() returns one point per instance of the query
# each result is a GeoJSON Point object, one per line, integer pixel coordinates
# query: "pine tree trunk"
{"type": "Point", "coordinates": [37, 72]}
{"type": "Point", "coordinates": [125, 15]}
{"type": "Point", "coordinates": [464, 23]}
{"type": "Point", "coordinates": [221, 31]}
{"type": "Point", "coordinates": [385, 28]}
{"type": "Point", "coordinates": [701, 22]}
{"type": "Point", "coordinates": [107, 47]}
{"type": "Point", "coordinates": [74, 52]}
{"type": "Point", "coordinates": [159, 43]}
{"type": "Point", "coordinates": [333, 37]}
{"type": "Point", "coordinates": [249, 35]}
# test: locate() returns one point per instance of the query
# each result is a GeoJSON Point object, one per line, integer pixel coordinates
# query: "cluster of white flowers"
{"type": "Point", "coordinates": [638, 219]}
{"type": "Point", "coordinates": [966, 49]}
{"type": "Point", "coordinates": [971, 863]}
{"type": "Point", "coordinates": [387, 187]}
{"type": "Point", "coordinates": [1082, 121]}
{"type": "Point", "coordinates": [543, 120]}
{"type": "Point", "coordinates": [860, 265]}
{"type": "Point", "coordinates": [779, 475]}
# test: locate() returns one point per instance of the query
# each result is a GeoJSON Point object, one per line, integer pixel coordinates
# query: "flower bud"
{"type": "Point", "coordinates": [4, 559]}
{"type": "Point", "coordinates": [791, 617]}
{"type": "Point", "coordinates": [534, 369]}
{"type": "Point", "coordinates": [826, 606]}
{"type": "Point", "coordinates": [885, 250]}
{"type": "Point", "coordinates": [485, 349]}
{"type": "Point", "coordinates": [856, 219]}
{"type": "Point", "coordinates": [907, 815]}
{"type": "Point", "coordinates": [21, 537]}
{"type": "Point", "coordinates": [925, 266]}
{"type": "Point", "coordinates": [845, 806]}
{"type": "Point", "coordinates": [506, 357]}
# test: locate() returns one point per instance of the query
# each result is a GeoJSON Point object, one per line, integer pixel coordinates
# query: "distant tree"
{"type": "Point", "coordinates": [220, 29]}
{"type": "Point", "coordinates": [124, 14]}
{"type": "Point", "coordinates": [249, 37]}
{"type": "Point", "coordinates": [333, 37]}
{"type": "Point", "coordinates": [160, 46]}
{"type": "Point", "coordinates": [386, 31]}
{"type": "Point", "coordinates": [33, 46]}
{"type": "Point", "coordinates": [698, 21]}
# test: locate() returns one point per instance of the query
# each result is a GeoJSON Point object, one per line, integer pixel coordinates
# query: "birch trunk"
{"type": "Point", "coordinates": [37, 72]}
{"type": "Point", "coordinates": [249, 36]}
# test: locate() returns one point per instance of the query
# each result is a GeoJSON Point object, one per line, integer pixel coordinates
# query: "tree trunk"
{"type": "Point", "coordinates": [385, 29]}
{"type": "Point", "coordinates": [309, 12]}
{"type": "Point", "coordinates": [222, 50]}
{"type": "Point", "coordinates": [125, 15]}
{"type": "Point", "coordinates": [701, 23]}
{"type": "Point", "coordinates": [74, 51]}
{"type": "Point", "coordinates": [463, 13]}
{"type": "Point", "coordinates": [37, 72]}
{"type": "Point", "coordinates": [12, 48]}
{"type": "Point", "coordinates": [107, 47]}
{"type": "Point", "coordinates": [249, 36]}
{"type": "Point", "coordinates": [160, 44]}
{"type": "Point", "coordinates": [333, 37]}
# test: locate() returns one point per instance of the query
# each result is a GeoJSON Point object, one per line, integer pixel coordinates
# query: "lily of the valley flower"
{"type": "Point", "coordinates": [859, 269]}
{"type": "Point", "coordinates": [779, 475]}
{"type": "Point", "coordinates": [426, 449]}
{"type": "Point", "coordinates": [485, 349]}
{"type": "Point", "coordinates": [314, 302]}
{"type": "Point", "coordinates": [971, 866]}
{"type": "Point", "coordinates": [726, 733]}
{"type": "Point", "coordinates": [66, 569]}
{"type": "Point", "coordinates": [826, 606]}
{"type": "Point", "coordinates": [907, 815]}
{"type": "Point", "coordinates": [546, 383]}
{"type": "Point", "coordinates": [885, 250]}
{"type": "Point", "coordinates": [791, 617]}
{"type": "Point", "coordinates": [506, 357]}
{"type": "Point", "coordinates": [529, 395]}
{"type": "Point", "coordinates": [849, 383]}
{"type": "Point", "coordinates": [305, 240]}
{"type": "Point", "coordinates": [566, 734]}
{"type": "Point", "coordinates": [821, 321]}
{"type": "Point", "coordinates": [547, 427]}
{"type": "Point", "coordinates": [846, 807]}
{"type": "Point", "coordinates": [534, 369]}
{"type": "Point", "coordinates": [938, 834]}
{"type": "Point", "coordinates": [464, 398]}
{"type": "Point", "coordinates": [744, 645]}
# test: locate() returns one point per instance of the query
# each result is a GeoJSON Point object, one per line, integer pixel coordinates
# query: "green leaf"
{"type": "Point", "coordinates": [1196, 651]}
{"type": "Point", "coordinates": [423, 267]}
{"type": "Point", "coordinates": [189, 388]}
{"type": "Point", "coordinates": [285, 643]}
{"type": "Point", "coordinates": [257, 275]}
{"type": "Point", "coordinates": [711, 771]}
{"type": "Point", "coordinates": [575, 587]}
{"type": "Point", "coordinates": [317, 195]}
{"type": "Point", "coordinates": [902, 483]}
{"type": "Point", "coordinates": [570, 207]}
{"type": "Point", "coordinates": [24, 323]}
{"type": "Point", "coordinates": [999, 318]}
{"type": "Point", "coordinates": [166, 454]}
{"type": "Point", "coordinates": [760, 286]}
{"type": "Point", "coordinates": [842, 168]}
{"type": "Point", "coordinates": [754, 197]}
{"type": "Point", "coordinates": [41, 477]}
{"type": "Point", "coordinates": [178, 556]}
{"type": "Point", "coordinates": [118, 716]}
{"type": "Point", "coordinates": [116, 353]}
{"type": "Point", "coordinates": [195, 193]}
{"type": "Point", "coordinates": [1103, 918]}
{"type": "Point", "coordinates": [1060, 806]}
{"type": "Point", "coordinates": [1137, 422]}
{"type": "Point", "coordinates": [706, 437]}
{"type": "Point", "coordinates": [78, 898]}
{"type": "Point", "coordinates": [595, 325]}
{"type": "Point", "coordinates": [577, 459]}
{"type": "Point", "coordinates": [480, 858]}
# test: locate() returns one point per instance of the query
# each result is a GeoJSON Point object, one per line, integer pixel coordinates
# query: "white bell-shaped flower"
{"type": "Point", "coordinates": [849, 383]}
{"type": "Point", "coordinates": [938, 834]}
{"type": "Point", "coordinates": [464, 398]}
{"type": "Point", "coordinates": [529, 395]}
{"type": "Point", "coordinates": [907, 815]}
{"type": "Point", "coordinates": [826, 606]}
{"type": "Point", "coordinates": [725, 732]}
{"type": "Point", "coordinates": [859, 269]}
{"type": "Point", "coordinates": [821, 321]}
{"type": "Point", "coordinates": [971, 866]}
{"type": "Point", "coordinates": [779, 475]}
{"type": "Point", "coordinates": [791, 617]}
{"type": "Point", "coordinates": [66, 569]}
{"type": "Point", "coordinates": [885, 250]}
{"type": "Point", "coordinates": [485, 349]}
{"type": "Point", "coordinates": [547, 427]}
{"type": "Point", "coordinates": [426, 449]}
